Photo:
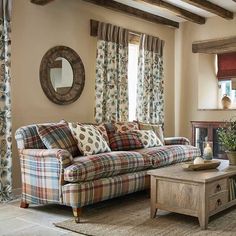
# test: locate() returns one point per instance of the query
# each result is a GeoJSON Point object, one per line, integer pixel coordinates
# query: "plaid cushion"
{"type": "Point", "coordinates": [177, 141]}
{"type": "Point", "coordinates": [58, 136]}
{"type": "Point", "coordinates": [124, 141]}
{"type": "Point", "coordinates": [105, 165]}
{"type": "Point", "coordinates": [166, 155]}
{"type": "Point", "coordinates": [27, 137]}
{"type": "Point", "coordinates": [85, 193]}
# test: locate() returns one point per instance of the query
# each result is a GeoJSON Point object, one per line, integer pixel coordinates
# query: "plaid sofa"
{"type": "Point", "coordinates": [54, 176]}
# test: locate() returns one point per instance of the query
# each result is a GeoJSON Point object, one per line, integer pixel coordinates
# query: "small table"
{"type": "Point", "coordinates": [195, 193]}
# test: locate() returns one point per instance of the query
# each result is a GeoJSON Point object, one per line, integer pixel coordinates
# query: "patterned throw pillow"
{"type": "Point", "coordinates": [102, 129]}
{"type": "Point", "coordinates": [123, 127]}
{"type": "Point", "coordinates": [156, 128]}
{"type": "Point", "coordinates": [148, 138]}
{"type": "Point", "coordinates": [58, 136]}
{"type": "Point", "coordinates": [125, 141]}
{"type": "Point", "coordinates": [90, 141]}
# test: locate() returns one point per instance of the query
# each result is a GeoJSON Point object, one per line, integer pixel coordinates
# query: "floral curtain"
{"type": "Point", "coordinates": [150, 89]}
{"type": "Point", "coordinates": [111, 74]}
{"type": "Point", "coordinates": [5, 102]}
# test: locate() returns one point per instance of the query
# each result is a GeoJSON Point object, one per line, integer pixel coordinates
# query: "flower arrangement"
{"type": "Point", "coordinates": [227, 137]}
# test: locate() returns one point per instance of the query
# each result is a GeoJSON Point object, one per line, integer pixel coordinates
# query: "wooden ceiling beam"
{"type": "Point", "coordinates": [215, 46]}
{"type": "Point", "coordinates": [211, 7]}
{"type": "Point", "coordinates": [116, 6]}
{"type": "Point", "coordinates": [180, 12]}
{"type": "Point", "coordinates": [41, 2]}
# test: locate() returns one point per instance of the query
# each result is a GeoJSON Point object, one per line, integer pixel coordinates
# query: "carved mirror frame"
{"type": "Point", "coordinates": [78, 75]}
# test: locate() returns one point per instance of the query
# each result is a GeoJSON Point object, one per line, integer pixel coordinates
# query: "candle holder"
{"type": "Point", "coordinates": [207, 152]}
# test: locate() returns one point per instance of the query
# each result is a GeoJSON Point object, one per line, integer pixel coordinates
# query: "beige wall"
{"type": "Point", "coordinates": [207, 82]}
{"type": "Point", "coordinates": [35, 29]}
{"type": "Point", "coordinates": [186, 76]}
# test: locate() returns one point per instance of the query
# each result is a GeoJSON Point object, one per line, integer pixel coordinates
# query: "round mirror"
{"type": "Point", "coordinates": [62, 75]}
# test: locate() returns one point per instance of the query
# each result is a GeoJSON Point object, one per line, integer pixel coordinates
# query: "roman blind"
{"type": "Point", "coordinates": [226, 66]}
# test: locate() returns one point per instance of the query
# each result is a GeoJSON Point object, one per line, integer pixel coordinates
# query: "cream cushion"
{"type": "Point", "coordinates": [89, 139]}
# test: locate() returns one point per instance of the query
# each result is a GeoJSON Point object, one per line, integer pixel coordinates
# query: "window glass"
{"type": "Point", "coordinates": [225, 87]}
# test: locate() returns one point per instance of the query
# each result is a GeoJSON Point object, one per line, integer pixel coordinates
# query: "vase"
{"type": "Point", "coordinates": [226, 102]}
{"type": "Point", "coordinates": [232, 157]}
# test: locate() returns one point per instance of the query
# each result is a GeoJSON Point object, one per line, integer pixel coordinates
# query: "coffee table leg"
{"type": "Point", "coordinates": [203, 216]}
{"type": "Point", "coordinates": [153, 212]}
{"type": "Point", "coordinates": [203, 221]}
{"type": "Point", "coordinates": [153, 197]}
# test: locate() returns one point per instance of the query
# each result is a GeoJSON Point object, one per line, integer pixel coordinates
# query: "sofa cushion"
{"type": "Point", "coordinates": [58, 136]}
{"type": "Point", "coordinates": [148, 138]}
{"type": "Point", "coordinates": [90, 141]}
{"type": "Point", "coordinates": [125, 141]}
{"type": "Point", "coordinates": [166, 155]}
{"type": "Point", "coordinates": [157, 128]}
{"type": "Point", "coordinates": [105, 165]}
{"type": "Point", "coordinates": [102, 129]}
{"type": "Point", "coordinates": [123, 127]}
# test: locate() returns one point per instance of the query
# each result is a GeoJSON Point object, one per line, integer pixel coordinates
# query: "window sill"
{"type": "Point", "coordinates": [216, 109]}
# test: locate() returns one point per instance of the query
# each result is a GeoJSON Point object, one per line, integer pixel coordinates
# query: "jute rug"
{"type": "Point", "coordinates": [129, 216]}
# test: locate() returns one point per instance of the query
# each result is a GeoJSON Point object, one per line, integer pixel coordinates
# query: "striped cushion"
{"type": "Point", "coordinates": [166, 155]}
{"type": "Point", "coordinates": [58, 136]}
{"type": "Point", "coordinates": [105, 165]}
{"type": "Point", "coordinates": [124, 141]}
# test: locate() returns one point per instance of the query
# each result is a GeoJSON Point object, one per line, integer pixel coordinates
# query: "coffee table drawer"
{"type": "Point", "coordinates": [217, 186]}
{"type": "Point", "coordinates": [218, 200]}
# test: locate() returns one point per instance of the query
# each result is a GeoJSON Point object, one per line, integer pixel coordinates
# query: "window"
{"type": "Point", "coordinates": [132, 79]}
{"type": "Point", "coordinates": [225, 87]}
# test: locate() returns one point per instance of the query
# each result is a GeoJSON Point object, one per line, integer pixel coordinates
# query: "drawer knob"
{"type": "Point", "coordinates": [219, 202]}
{"type": "Point", "coordinates": [218, 188]}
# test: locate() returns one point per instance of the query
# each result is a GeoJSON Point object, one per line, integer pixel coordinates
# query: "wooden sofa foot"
{"type": "Point", "coordinates": [77, 214]}
{"type": "Point", "coordinates": [24, 204]}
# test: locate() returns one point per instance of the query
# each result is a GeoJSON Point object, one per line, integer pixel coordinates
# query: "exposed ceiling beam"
{"type": "Point", "coordinates": [215, 46]}
{"type": "Point", "coordinates": [211, 7]}
{"type": "Point", "coordinates": [41, 2]}
{"type": "Point", "coordinates": [180, 12]}
{"type": "Point", "coordinates": [116, 6]}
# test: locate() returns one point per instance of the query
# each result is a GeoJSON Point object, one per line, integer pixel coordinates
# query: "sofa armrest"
{"type": "Point", "coordinates": [63, 156]}
{"type": "Point", "coordinates": [177, 141]}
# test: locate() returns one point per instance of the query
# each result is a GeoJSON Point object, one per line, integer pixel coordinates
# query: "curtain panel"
{"type": "Point", "coordinates": [111, 74]}
{"type": "Point", "coordinates": [5, 102]}
{"type": "Point", "coordinates": [150, 85]}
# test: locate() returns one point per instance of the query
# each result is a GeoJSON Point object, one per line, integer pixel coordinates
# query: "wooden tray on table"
{"type": "Point", "coordinates": [208, 164]}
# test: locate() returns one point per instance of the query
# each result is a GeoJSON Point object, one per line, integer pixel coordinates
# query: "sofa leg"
{"type": "Point", "coordinates": [24, 204]}
{"type": "Point", "coordinates": [77, 214]}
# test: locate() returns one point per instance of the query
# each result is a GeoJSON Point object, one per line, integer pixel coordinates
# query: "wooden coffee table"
{"type": "Point", "coordinates": [195, 193]}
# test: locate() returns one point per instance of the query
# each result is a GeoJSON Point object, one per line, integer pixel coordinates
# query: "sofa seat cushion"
{"type": "Point", "coordinates": [166, 155]}
{"type": "Point", "coordinates": [105, 165]}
